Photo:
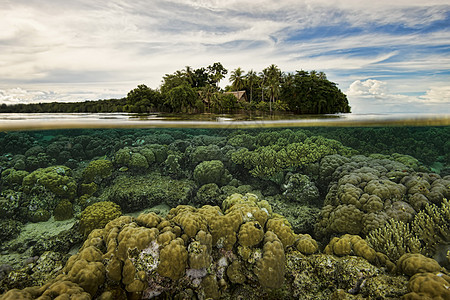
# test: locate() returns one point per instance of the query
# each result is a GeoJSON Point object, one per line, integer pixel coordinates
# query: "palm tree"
{"type": "Point", "coordinates": [264, 75]}
{"type": "Point", "coordinates": [322, 75]}
{"type": "Point", "coordinates": [189, 74]}
{"type": "Point", "coordinates": [207, 94]}
{"type": "Point", "coordinates": [274, 77]}
{"type": "Point", "coordinates": [251, 78]}
{"type": "Point", "coordinates": [237, 79]}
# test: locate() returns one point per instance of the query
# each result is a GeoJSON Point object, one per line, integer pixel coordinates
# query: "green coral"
{"type": "Point", "coordinates": [299, 188]}
{"type": "Point", "coordinates": [267, 161]}
{"type": "Point", "coordinates": [394, 239]}
{"type": "Point", "coordinates": [212, 171]}
{"type": "Point", "coordinates": [12, 177]}
{"type": "Point", "coordinates": [63, 210]}
{"type": "Point", "coordinates": [432, 226]}
{"type": "Point", "coordinates": [39, 215]}
{"type": "Point", "coordinates": [9, 229]}
{"type": "Point", "coordinates": [171, 166]}
{"type": "Point", "coordinates": [122, 156]}
{"type": "Point", "coordinates": [97, 170]}
{"type": "Point", "coordinates": [98, 215]}
{"type": "Point", "coordinates": [208, 194]}
{"type": "Point", "coordinates": [56, 179]}
{"type": "Point", "coordinates": [137, 158]}
{"type": "Point", "coordinates": [202, 153]}
{"type": "Point", "coordinates": [142, 191]}
{"type": "Point", "coordinates": [138, 162]}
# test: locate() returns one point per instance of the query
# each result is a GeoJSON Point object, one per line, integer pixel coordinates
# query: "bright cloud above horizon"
{"type": "Point", "coordinates": [387, 57]}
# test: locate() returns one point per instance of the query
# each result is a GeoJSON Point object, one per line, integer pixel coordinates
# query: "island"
{"type": "Point", "coordinates": [198, 91]}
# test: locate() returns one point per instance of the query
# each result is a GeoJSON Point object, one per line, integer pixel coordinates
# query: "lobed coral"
{"type": "Point", "coordinates": [366, 192]}
{"type": "Point", "coordinates": [270, 268]}
{"type": "Point", "coordinates": [98, 215]}
{"type": "Point", "coordinates": [355, 245]}
{"type": "Point", "coordinates": [428, 286]}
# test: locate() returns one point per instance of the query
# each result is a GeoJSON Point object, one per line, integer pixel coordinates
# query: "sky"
{"type": "Point", "coordinates": [386, 56]}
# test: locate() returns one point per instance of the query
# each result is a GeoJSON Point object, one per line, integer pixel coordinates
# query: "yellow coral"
{"type": "Point", "coordinates": [148, 220]}
{"type": "Point", "coordinates": [413, 263]}
{"type": "Point", "coordinates": [173, 260]}
{"type": "Point", "coordinates": [306, 244]}
{"type": "Point", "coordinates": [354, 245]}
{"type": "Point", "coordinates": [98, 215]}
{"type": "Point", "coordinates": [281, 227]}
{"type": "Point", "coordinates": [270, 268]}
{"type": "Point", "coordinates": [428, 286]}
{"type": "Point", "coordinates": [200, 251]}
{"type": "Point", "coordinates": [250, 234]}
{"type": "Point", "coordinates": [86, 269]}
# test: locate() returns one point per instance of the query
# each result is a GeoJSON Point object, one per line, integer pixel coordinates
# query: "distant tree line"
{"type": "Point", "coordinates": [197, 90]}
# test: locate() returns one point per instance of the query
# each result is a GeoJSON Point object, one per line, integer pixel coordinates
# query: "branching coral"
{"type": "Point", "coordinates": [394, 239]}
{"type": "Point", "coordinates": [432, 226]}
{"type": "Point", "coordinates": [267, 161]}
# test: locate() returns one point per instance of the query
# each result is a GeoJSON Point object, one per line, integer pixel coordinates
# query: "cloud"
{"type": "Point", "coordinates": [367, 88]}
{"type": "Point", "coordinates": [438, 94]}
{"type": "Point", "coordinates": [65, 94]}
{"type": "Point", "coordinates": [376, 96]}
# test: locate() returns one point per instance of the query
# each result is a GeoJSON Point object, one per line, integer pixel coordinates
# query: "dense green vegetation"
{"type": "Point", "coordinates": [197, 91]}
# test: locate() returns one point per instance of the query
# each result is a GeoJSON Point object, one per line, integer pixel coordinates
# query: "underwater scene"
{"type": "Point", "coordinates": [321, 212]}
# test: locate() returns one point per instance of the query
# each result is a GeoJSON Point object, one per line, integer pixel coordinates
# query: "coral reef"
{"type": "Point", "coordinates": [190, 249]}
{"type": "Point", "coordinates": [355, 245]}
{"type": "Point", "coordinates": [381, 216]}
{"type": "Point", "coordinates": [299, 188]}
{"type": "Point", "coordinates": [137, 158]}
{"type": "Point", "coordinates": [63, 210]}
{"type": "Point", "coordinates": [267, 161]}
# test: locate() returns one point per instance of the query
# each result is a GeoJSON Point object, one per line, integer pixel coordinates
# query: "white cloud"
{"type": "Point", "coordinates": [378, 96]}
{"type": "Point", "coordinates": [64, 94]}
{"type": "Point", "coordinates": [368, 88]}
{"type": "Point", "coordinates": [438, 94]}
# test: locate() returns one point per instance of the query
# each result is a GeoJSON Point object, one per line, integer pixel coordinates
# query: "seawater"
{"type": "Point", "coordinates": [315, 182]}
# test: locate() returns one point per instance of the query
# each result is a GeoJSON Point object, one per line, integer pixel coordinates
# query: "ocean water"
{"type": "Point", "coordinates": [113, 206]}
